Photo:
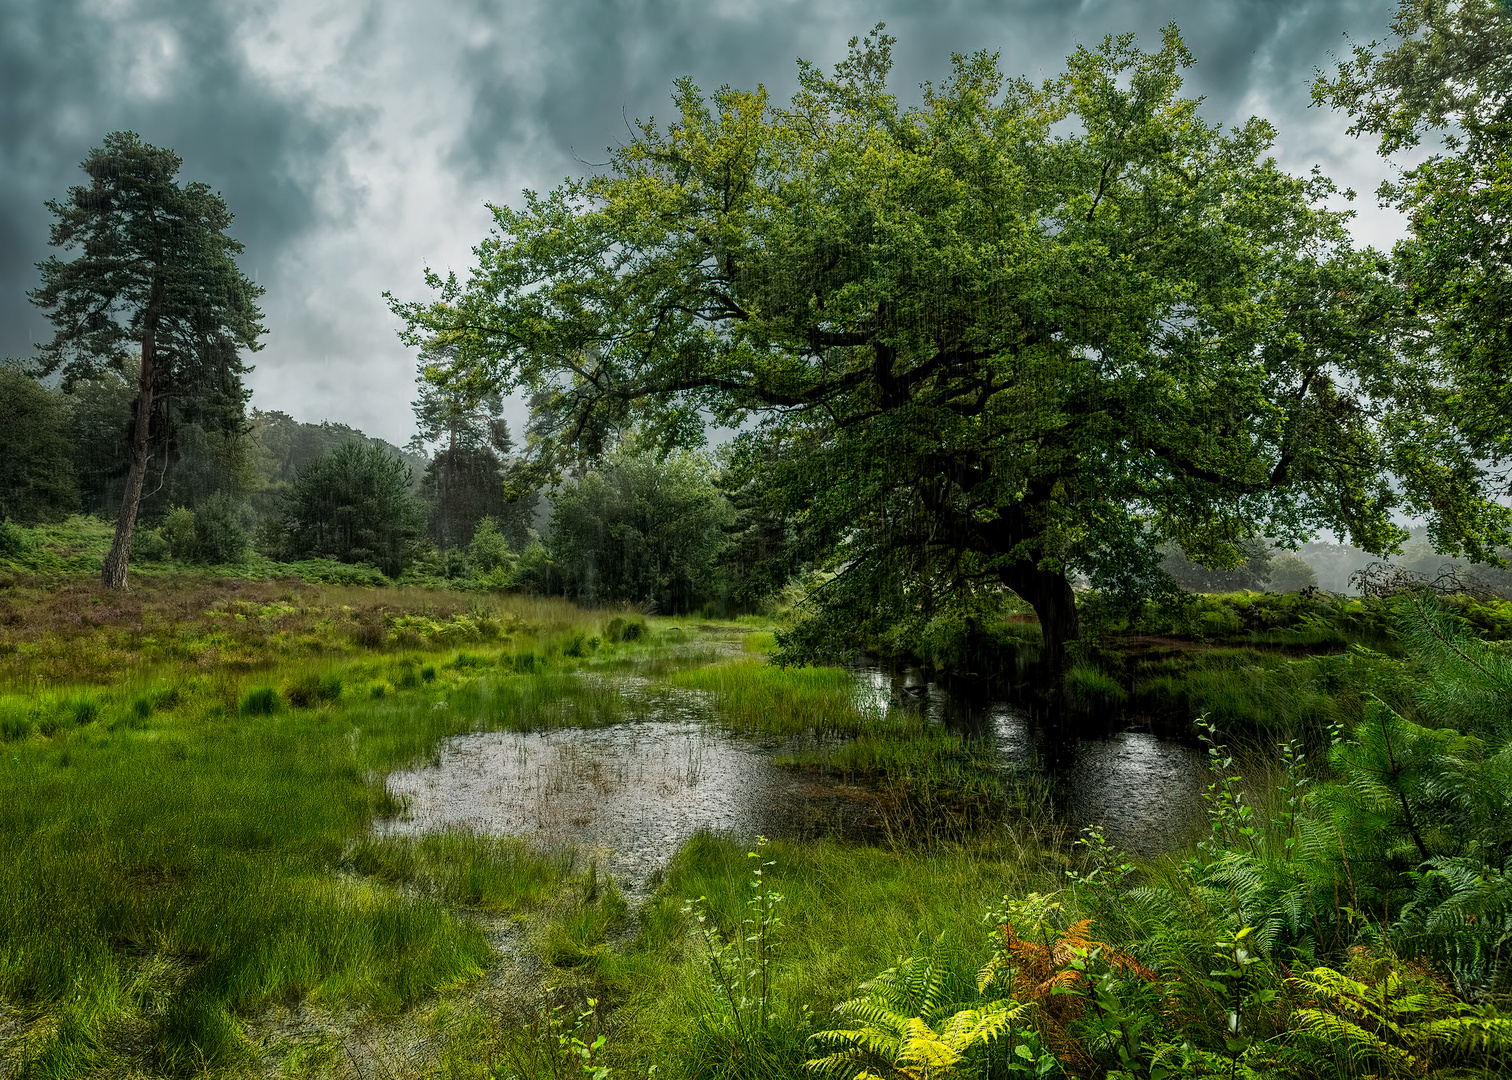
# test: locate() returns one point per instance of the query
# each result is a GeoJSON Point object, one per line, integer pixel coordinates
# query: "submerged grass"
{"type": "Point", "coordinates": [189, 844]}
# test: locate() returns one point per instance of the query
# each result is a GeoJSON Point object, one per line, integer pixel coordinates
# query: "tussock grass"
{"type": "Point", "coordinates": [1264, 692]}
{"type": "Point", "coordinates": [485, 872]}
{"type": "Point", "coordinates": [577, 934]}
{"type": "Point", "coordinates": [1091, 689]}
{"type": "Point", "coordinates": [187, 843]}
{"type": "Point", "coordinates": [78, 632]}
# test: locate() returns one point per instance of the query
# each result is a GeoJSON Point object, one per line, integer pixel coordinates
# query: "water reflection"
{"type": "Point", "coordinates": [635, 792]}
{"type": "Point", "coordinates": [1143, 790]}
{"type": "Point", "coordinates": [630, 795]}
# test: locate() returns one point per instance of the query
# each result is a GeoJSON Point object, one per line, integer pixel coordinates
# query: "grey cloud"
{"type": "Point", "coordinates": [72, 73]}
{"type": "Point", "coordinates": [563, 92]}
{"type": "Point", "coordinates": [356, 142]}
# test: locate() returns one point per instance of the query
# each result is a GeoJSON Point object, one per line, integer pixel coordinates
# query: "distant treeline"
{"type": "Point", "coordinates": [645, 529]}
{"type": "Point", "coordinates": [662, 532]}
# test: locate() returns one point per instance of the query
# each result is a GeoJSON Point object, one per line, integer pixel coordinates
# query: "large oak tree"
{"type": "Point", "coordinates": [154, 291]}
{"type": "Point", "coordinates": [1013, 335]}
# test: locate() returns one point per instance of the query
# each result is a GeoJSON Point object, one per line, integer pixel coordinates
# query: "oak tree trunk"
{"type": "Point", "coordinates": [1050, 594]}
{"type": "Point", "coordinates": [120, 548]}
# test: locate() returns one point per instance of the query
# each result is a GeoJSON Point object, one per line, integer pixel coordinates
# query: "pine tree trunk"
{"type": "Point", "coordinates": [120, 548]}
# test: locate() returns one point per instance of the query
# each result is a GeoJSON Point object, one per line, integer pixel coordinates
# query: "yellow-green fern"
{"type": "Point", "coordinates": [1398, 1019]}
{"type": "Point", "coordinates": [904, 1031]}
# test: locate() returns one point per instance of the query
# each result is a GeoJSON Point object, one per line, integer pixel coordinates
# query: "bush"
{"type": "Point", "coordinates": [639, 529]}
{"type": "Point", "coordinates": [13, 540]}
{"type": "Point", "coordinates": [353, 505]}
{"type": "Point", "coordinates": [452, 564]}
{"type": "Point", "coordinates": [622, 628]}
{"type": "Point", "coordinates": [178, 533]}
{"type": "Point", "coordinates": [220, 530]}
{"type": "Point", "coordinates": [535, 570]}
{"type": "Point", "coordinates": [488, 551]}
{"type": "Point", "coordinates": [148, 545]}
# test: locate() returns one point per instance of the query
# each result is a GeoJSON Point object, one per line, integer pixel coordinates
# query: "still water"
{"type": "Point", "coordinates": [631, 794]}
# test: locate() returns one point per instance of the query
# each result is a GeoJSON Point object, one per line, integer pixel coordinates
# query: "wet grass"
{"type": "Point", "coordinates": [752, 696]}
{"type": "Point", "coordinates": [489, 873]}
{"type": "Point", "coordinates": [185, 843]}
{"type": "Point", "coordinates": [847, 913]}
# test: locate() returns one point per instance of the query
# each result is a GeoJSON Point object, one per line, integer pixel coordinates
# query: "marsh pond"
{"type": "Point", "coordinates": [631, 793]}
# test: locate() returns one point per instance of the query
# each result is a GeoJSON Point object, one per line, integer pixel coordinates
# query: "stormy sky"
{"type": "Point", "coordinates": [357, 142]}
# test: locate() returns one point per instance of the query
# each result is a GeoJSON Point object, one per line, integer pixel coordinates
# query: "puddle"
{"type": "Point", "coordinates": [629, 795]}
{"type": "Point", "coordinates": [1145, 792]}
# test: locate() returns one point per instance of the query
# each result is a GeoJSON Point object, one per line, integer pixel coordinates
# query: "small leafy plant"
{"type": "Point", "coordinates": [740, 966]}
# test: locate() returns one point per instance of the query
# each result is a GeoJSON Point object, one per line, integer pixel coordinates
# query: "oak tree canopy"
{"type": "Point", "coordinates": [1013, 335]}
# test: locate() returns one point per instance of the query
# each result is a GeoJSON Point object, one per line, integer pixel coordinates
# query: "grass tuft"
{"type": "Point", "coordinates": [261, 701]}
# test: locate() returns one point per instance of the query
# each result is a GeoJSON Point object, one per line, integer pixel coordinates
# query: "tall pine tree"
{"type": "Point", "coordinates": [155, 286]}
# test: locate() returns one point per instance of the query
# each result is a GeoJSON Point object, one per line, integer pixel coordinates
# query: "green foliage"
{"type": "Point", "coordinates": [489, 552]}
{"type": "Point", "coordinates": [640, 529]}
{"type": "Point", "coordinates": [352, 505]}
{"type": "Point", "coordinates": [313, 689]}
{"type": "Point", "coordinates": [177, 856]}
{"type": "Point", "coordinates": [220, 530]}
{"type": "Point", "coordinates": [1290, 574]}
{"type": "Point", "coordinates": [740, 966]}
{"type": "Point", "coordinates": [625, 628]}
{"type": "Point", "coordinates": [1391, 1019]}
{"type": "Point", "coordinates": [1250, 569]}
{"type": "Point", "coordinates": [148, 545]}
{"type": "Point", "coordinates": [14, 541]}
{"type": "Point", "coordinates": [260, 701]}
{"type": "Point", "coordinates": [536, 571]}
{"type": "Point", "coordinates": [800, 264]}
{"type": "Point", "coordinates": [753, 695]}
{"type": "Point", "coordinates": [576, 937]}
{"type": "Point", "coordinates": [213, 532]}
{"type": "Point", "coordinates": [1444, 73]}
{"type": "Point", "coordinates": [37, 480]}
{"type": "Point", "coordinates": [155, 285]}
{"type": "Point", "coordinates": [484, 872]}
{"type": "Point", "coordinates": [1090, 689]}
{"type": "Point", "coordinates": [177, 531]}
{"type": "Point", "coordinates": [972, 637]}
{"type": "Point", "coordinates": [905, 1028]}
{"type": "Point", "coordinates": [556, 1045]}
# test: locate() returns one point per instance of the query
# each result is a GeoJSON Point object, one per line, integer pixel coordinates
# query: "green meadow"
{"type": "Point", "coordinates": [191, 883]}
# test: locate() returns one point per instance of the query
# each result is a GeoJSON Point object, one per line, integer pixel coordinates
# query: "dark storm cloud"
{"type": "Point", "coordinates": [598, 61]}
{"type": "Point", "coordinates": [172, 71]}
{"type": "Point", "coordinates": [356, 142]}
